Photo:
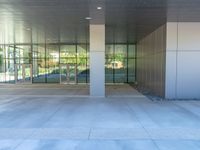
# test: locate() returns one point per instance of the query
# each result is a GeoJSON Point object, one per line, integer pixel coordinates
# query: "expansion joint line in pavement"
{"type": "Point", "coordinates": [132, 111]}
{"type": "Point", "coordinates": [29, 136]}
{"type": "Point", "coordinates": [89, 133]}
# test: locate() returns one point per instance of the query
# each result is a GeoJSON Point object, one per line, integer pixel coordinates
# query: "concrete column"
{"type": "Point", "coordinates": [97, 60]}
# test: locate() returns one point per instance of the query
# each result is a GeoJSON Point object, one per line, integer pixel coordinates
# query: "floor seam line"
{"type": "Point", "coordinates": [89, 133]}
{"type": "Point", "coordinates": [51, 116]}
{"type": "Point", "coordinates": [130, 109]}
{"type": "Point", "coordinates": [26, 138]}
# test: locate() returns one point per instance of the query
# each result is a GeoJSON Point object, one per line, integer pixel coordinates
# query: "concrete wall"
{"type": "Point", "coordinates": [151, 53]}
{"type": "Point", "coordinates": [183, 60]}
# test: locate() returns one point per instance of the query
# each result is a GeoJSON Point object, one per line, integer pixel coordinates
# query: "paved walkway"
{"type": "Point", "coordinates": [38, 90]}
{"type": "Point", "coordinates": [112, 123]}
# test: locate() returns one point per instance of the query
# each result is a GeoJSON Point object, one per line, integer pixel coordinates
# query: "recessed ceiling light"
{"type": "Point", "coordinates": [99, 8]}
{"type": "Point", "coordinates": [88, 18]}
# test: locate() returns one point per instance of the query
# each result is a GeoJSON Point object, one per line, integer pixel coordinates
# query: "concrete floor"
{"type": "Point", "coordinates": [83, 123]}
{"type": "Point", "coordinates": [123, 90]}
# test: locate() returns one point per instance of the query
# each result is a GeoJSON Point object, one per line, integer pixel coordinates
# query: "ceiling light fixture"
{"type": "Point", "coordinates": [88, 18]}
{"type": "Point", "coordinates": [99, 8]}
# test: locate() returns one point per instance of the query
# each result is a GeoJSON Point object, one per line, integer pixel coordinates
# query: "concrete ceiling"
{"type": "Point", "coordinates": [64, 20]}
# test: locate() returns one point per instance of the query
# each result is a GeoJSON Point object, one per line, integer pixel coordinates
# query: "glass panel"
{"type": "Point", "coordinates": [28, 73]}
{"type": "Point", "coordinates": [131, 70]}
{"type": "Point", "coordinates": [109, 51]}
{"type": "Point", "coordinates": [131, 51]}
{"type": "Point", "coordinates": [120, 71]}
{"type": "Point", "coordinates": [72, 73]}
{"type": "Point", "coordinates": [39, 64]}
{"type": "Point", "coordinates": [67, 54]}
{"type": "Point", "coordinates": [10, 71]}
{"type": "Point", "coordinates": [120, 51]}
{"type": "Point", "coordinates": [52, 64]}
{"type": "Point", "coordinates": [120, 63]}
{"type": "Point", "coordinates": [68, 73]}
{"type": "Point", "coordinates": [9, 52]}
{"type": "Point", "coordinates": [82, 75]}
{"type": "Point", "coordinates": [23, 73]}
{"type": "Point", "coordinates": [23, 54]}
{"type": "Point", "coordinates": [2, 64]}
{"type": "Point", "coordinates": [38, 51]}
{"type": "Point", "coordinates": [39, 70]}
{"type": "Point", "coordinates": [82, 63]}
{"type": "Point", "coordinates": [64, 74]}
{"type": "Point", "coordinates": [82, 50]}
{"type": "Point", "coordinates": [109, 71]}
{"type": "Point", "coordinates": [19, 75]}
{"type": "Point", "coordinates": [88, 70]}
{"type": "Point", "coordinates": [9, 64]}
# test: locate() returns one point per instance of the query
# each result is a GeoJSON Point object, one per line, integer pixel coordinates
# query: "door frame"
{"type": "Point", "coordinates": [68, 73]}
{"type": "Point", "coordinates": [23, 74]}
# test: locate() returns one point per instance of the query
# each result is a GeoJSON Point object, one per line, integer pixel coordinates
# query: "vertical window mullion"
{"type": "Point", "coordinates": [127, 59]}
{"type": "Point", "coordinates": [114, 63]}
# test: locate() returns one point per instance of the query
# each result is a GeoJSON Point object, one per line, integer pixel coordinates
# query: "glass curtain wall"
{"type": "Point", "coordinates": [68, 63]}
{"type": "Point", "coordinates": [120, 63]}
{"type": "Point", "coordinates": [64, 63]}
{"type": "Point", "coordinates": [60, 63]}
{"type": "Point", "coordinates": [39, 64]}
{"type": "Point", "coordinates": [83, 63]}
{"type": "Point", "coordinates": [7, 67]}
{"type": "Point", "coordinates": [23, 63]}
{"type": "Point", "coordinates": [2, 64]}
{"type": "Point", "coordinates": [52, 64]}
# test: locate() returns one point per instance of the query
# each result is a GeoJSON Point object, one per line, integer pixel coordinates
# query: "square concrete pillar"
{"type": "Point", "coordinates": [97, 60]}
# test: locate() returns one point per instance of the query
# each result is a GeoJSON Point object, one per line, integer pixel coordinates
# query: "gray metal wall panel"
{"type": "Point", "coordinates": [151, 53]}
{"type": "Point", "coordinates": [182, 60]}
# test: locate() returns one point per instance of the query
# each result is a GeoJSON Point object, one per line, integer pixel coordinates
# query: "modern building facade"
{"type": "Point", "coordinates": [63, 63]}
{"type": "Point", "coordinates": [151, 43]}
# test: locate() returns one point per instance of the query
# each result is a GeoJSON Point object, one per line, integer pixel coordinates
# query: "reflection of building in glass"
{"type": "Point", "coordinates": [53, 63]}
{"type": "Point", "coordinates": [116, 65]}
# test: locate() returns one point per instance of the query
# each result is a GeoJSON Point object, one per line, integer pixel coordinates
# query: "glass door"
{"type": "Point", "coordinates": [68, 73]}
{"type": "Point", "coordinates": [23, 73]}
